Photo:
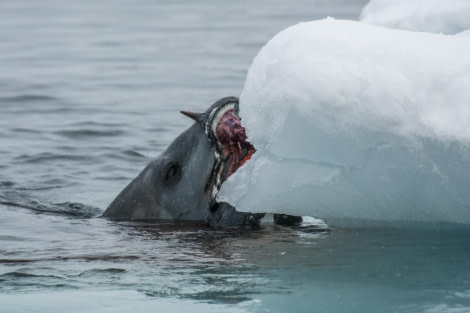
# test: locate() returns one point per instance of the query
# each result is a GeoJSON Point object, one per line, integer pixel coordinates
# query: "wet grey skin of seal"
{"type": "Point", "coordinates": [182, 183]}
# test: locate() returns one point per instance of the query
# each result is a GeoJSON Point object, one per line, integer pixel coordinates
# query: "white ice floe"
{"type": "Point", "coordinates": [436, 16]}
{"type": "Point", "coordinates": [355, 121]}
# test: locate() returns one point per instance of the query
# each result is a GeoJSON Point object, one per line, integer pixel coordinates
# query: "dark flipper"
{"type": "Point", "coordinates": [287, 220]}
{"type": "Point", "coordinates": [224, 215]}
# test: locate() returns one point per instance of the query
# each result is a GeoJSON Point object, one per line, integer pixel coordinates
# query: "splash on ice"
{"type": "Point", "coordinates": [354, 121]}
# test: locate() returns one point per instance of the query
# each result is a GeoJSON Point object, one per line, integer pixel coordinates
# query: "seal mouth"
{"type": "Point", "coordinates": [231, 137]}
{"type": "Point", "coordinates": [224, 128]}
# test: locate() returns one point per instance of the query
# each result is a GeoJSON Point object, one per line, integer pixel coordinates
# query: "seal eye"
{"type": "Point", "coordinates": [172, 173]}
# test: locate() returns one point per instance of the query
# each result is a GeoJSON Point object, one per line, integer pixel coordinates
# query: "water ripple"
{"type": "Point", "coordinates": [52, 157]}
{"type": "Point", "coordinates": [28, 98]}
{"type": "Point", "coordinates": [82, 133]}
{"type": "Point", "coordinates": [68, 209]}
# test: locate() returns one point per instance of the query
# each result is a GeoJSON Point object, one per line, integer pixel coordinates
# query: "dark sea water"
{"type": "Point", "coordinates": [89, 93]}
